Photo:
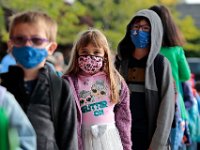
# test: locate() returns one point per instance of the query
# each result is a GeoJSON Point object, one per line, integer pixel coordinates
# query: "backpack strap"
{"type": "Point", "coordinates": [123, 69]}
{"type": "Point", "coordinates": [158, 69]}
{"type": "Point", "coordinates": [55, 98]}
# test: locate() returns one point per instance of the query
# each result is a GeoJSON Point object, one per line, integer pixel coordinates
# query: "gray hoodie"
{"type": "Point", "coordinates": [159, 102]}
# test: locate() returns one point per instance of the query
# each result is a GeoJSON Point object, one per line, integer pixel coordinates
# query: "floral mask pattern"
{"type": "Point", "coordinates": [90, 64]}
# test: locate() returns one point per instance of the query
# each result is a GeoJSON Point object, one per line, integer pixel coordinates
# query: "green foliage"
{"type": "Point", "coordinates": [191, 34]}
{"type": "Point", "coordinates": [3, 32]}
{"type": "Point", "coordinates": [67, 16]}
{"type": "Point", "coordinates": [111, 16]}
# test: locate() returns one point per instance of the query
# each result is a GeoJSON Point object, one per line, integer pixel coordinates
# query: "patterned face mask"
{"type": "Point", "coordinates": [90, 64]}
{"type": "Point", "coordinates": [141, 39]}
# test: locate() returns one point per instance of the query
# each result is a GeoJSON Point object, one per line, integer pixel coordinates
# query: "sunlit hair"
{"type": "Point", "coordinates": [37, 18]}
{"type": "Point", "coordinates": [172, 35]}
{"type": "Point", "coordinates": [97, 39]}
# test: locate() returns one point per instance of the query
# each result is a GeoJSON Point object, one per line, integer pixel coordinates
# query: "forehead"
{"type": "Point", "coordinates": [141, 21]}
{"type": "Point", "coordinates": [90, 46]}
{"type": "Point", "coordinates": [92, 50]}
{"type": "Point", "coordinates": [28, 29]}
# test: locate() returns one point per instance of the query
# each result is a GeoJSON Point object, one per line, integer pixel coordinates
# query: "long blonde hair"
{"type": "Point", "coordinates": [98, 39]}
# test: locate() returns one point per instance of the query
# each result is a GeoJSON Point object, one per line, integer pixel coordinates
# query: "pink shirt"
{"type": "Point", "coordinates": [94, 98]}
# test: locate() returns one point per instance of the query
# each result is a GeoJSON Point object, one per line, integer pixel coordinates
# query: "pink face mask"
{"type": "Point", "coordinates": [90, 64]}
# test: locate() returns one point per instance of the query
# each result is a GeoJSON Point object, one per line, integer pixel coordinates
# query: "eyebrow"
{"type": "Point", "coordinates": [146, 24]}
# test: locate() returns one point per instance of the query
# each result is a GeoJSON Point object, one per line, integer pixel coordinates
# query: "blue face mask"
{"type": "Point", "coordinates": [140, 39]}
{"type": "Point", "coordinates": [29, 57]}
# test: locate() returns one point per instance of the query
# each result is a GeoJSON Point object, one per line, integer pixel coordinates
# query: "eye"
{"type": "Point", "coordinates": [136, 26]}
{"type": "Point", "coordinates": [19, 40]}
{"type": "Point", "coordinates": [97, 52]}
{"type": "Point", "coordinates": [83, 51]}
{"type": "Point", "coordinates": [146, 28]}
{"type": "Point", "coordinates": [37, 41]}
{"type": "Point", "coordinates": [103, 93]}
{"type": "Point", "coordinates": [94, 90]}
{"type": "Point", "coordinates": [88, 99]}
{"type": "Point", "coordinates": [81, 101]}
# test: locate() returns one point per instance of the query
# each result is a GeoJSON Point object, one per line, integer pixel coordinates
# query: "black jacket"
{"type": "Point", "coordinates": [50, 108]}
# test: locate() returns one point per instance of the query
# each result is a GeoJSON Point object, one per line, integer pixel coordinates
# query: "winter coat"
{"type": "Point", "coordinates": [41, 105]}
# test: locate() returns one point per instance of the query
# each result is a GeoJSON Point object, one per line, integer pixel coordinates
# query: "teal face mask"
{"type": "Point", "coordinates": [29, 57]}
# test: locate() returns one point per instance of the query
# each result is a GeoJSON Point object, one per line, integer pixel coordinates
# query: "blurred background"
{"type": "Point", "coordinates": [111, 16]}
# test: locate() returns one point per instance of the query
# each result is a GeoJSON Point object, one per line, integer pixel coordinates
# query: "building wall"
{"type": "Point", "coordinates": [190, 9]}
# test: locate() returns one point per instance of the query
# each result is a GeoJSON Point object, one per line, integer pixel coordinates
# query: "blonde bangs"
{"type": "Point", "coordinates": [94, 38]}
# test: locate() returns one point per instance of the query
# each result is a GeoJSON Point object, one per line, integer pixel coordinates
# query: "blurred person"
{"type": "Point", "coordinates": [51, 62]}
{"type": "Point", "coordinates": [45, 98]}
{"type": "Point", "coordinates": [7, 61]}
{"type": "Point", "coordinates": [197, 86]}
{"type": "Point", "coordinates": [148, 75]}
{"type": "Point", "coordinates": [172, 49]}
{"type": "Point", "coordinates": [56, 63]}
{"type": "Point", "coordinates": [193, 113]}
{"type": "Point", "coordinates": [16, 121]}
{"type": "Point", "coordinates": [101, 95]}
{"type": "Point", "coordinates": [59, 61]}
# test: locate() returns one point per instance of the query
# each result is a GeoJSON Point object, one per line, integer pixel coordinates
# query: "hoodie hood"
{"type": "Point", "coordinates": [126, 47]}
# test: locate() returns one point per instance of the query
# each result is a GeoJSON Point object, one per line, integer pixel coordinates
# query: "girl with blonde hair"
{"type": "Point", "coordinates": [101, 95]}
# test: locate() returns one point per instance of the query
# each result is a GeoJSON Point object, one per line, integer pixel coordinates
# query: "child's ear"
{"type": "Point", "coordinates": [52, 48]}
{"type": "Point", "coordinates": [10, 46]}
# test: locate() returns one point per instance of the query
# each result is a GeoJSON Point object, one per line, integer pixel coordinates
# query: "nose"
{"type": "Point", "coordinates": [28, 42]}
{"type": "Point", "coordinates": [140, 28]}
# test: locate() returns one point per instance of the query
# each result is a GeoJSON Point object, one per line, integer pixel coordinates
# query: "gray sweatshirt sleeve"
{"type": "Point", "coordinates": [166, 111]}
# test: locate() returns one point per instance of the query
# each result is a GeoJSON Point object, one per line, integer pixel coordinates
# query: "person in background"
{"type": "Point", "coordinates": [59, 62]}
{"type": "Point", "coordinates": [56, 63]}
{"type": "Point", "coordinates": [197, 86]}
{"type": "Point", "coordinates": [45, 98]}
{"type": "Point", "coordinates": [17, 121]}
{"type": "Point", "coordinates": [148, 75]}
{"type": "Point", "coordinates": [7, 61]}
{"type": "Point", "coordinates": [101, 95]}
{"type": "Point", "coordinates": [172, 49]}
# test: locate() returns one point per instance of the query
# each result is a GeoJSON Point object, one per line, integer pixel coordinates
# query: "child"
{"type": "Point", "coordinates": [148, 75]}
{"type": "Point", "coordinates": [172, 49]}
{"type": "Point", "coordinates": [44, 97]}
{"type": "Point", "coordinates": [17, 121]}
{"type": "Point", "coordinates": [101, 95]}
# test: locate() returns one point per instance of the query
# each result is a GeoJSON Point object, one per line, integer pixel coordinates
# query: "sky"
{"type": "Point", "coordinates": [193, 1]}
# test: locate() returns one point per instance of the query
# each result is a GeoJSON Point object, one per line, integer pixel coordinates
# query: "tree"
{"type": "Point", "coordinates": [67, 16]}
{"type": "Point", "coordinates": [111, 16]}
